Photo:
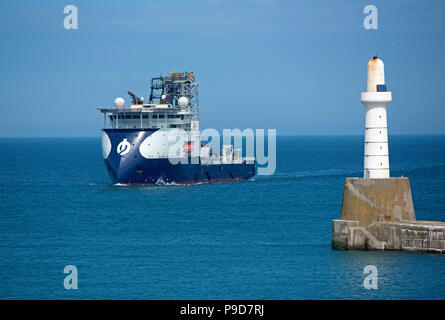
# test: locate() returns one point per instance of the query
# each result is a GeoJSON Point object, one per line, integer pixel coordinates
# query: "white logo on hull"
{"type": "Point", "coordinates": [123, 147]}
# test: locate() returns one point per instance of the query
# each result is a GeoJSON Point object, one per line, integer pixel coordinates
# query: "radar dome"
{"type": "Point", "coordinates": [119, 103]}
{"type": "Point", "coordinates": [163, 96]}
{"type": "Point", "coordinates": [183, 102]}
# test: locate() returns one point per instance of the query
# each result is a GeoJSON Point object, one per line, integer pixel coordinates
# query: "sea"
{"type": "Point", "coordinates": [265, 238]}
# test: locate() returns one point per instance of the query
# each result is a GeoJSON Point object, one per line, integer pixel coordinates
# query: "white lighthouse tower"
{"type": "Point", "coordinates": [375, 99]}
{"type": "Point", "coordinates": [372, 201]}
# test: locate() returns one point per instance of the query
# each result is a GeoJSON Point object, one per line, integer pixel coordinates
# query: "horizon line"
{"type": "Point", "coordinates": [278, 135]}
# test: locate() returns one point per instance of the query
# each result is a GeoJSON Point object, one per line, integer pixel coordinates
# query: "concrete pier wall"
{"type": "Point", "coordinates": [382, 200]}
{"type": "Point", "coordinates": [378, 214]}
{"type": "Point", "coordinates": [422, 236]}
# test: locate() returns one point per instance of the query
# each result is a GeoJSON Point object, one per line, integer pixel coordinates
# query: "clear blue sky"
{"type": "Point", "coordinates": [297, 66]}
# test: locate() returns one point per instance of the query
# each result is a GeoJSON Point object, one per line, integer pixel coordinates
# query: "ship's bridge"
{"type": "Point", "coordinates": [172, 103]}
{"type": "Point", "coordinates": [145, 116]}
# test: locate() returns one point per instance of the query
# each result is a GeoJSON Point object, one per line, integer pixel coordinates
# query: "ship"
{"type": "Point", "coordinates": [158, 141]}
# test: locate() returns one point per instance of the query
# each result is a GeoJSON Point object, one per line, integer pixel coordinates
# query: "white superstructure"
{"type": "Point", "coordinates": [375, 100]}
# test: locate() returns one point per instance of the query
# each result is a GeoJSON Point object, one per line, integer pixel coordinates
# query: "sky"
{"type": "Point", "coordinates": [294, 66]}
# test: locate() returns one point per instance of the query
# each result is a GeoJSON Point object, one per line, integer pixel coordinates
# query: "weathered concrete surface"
{"type": "Point", "coordinates": [377, 200]}
{"type": "Point", "coordinates": [348, 235]}
{"type": "Point", "coordinates": [421, 236]}
{"type": "Point", "coordinates": [341, 233]}
{"type": "Point", "coordinates": [378, 214]}
{"type": "Point", "coordinates": [425, 236]}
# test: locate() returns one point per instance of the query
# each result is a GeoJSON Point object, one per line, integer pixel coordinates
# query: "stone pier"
{"type": "Point", "coordinates": [378, 214]}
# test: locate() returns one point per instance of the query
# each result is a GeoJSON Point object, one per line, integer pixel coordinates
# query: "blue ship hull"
{"type": "Point", "coordinates": [133, 168]}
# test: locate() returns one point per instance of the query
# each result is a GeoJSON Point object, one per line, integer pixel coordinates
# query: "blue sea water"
{"type": "Point", "coordinates": [269, 238]}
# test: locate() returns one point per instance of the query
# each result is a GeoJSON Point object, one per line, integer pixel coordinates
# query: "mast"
{"type": "Point", "coordinates": [170, 89]}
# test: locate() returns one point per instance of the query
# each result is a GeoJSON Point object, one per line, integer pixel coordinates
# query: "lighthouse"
{"type": "Point", "coordinates": [377, 210]}
{"type": "Point", "coordinates": [376, 197]}
{"type": "Point", "coordinates": [375, 100]}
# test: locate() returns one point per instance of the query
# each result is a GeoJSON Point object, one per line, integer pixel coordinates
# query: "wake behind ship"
{"type": "Point", "coordinates": [140, 143]}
